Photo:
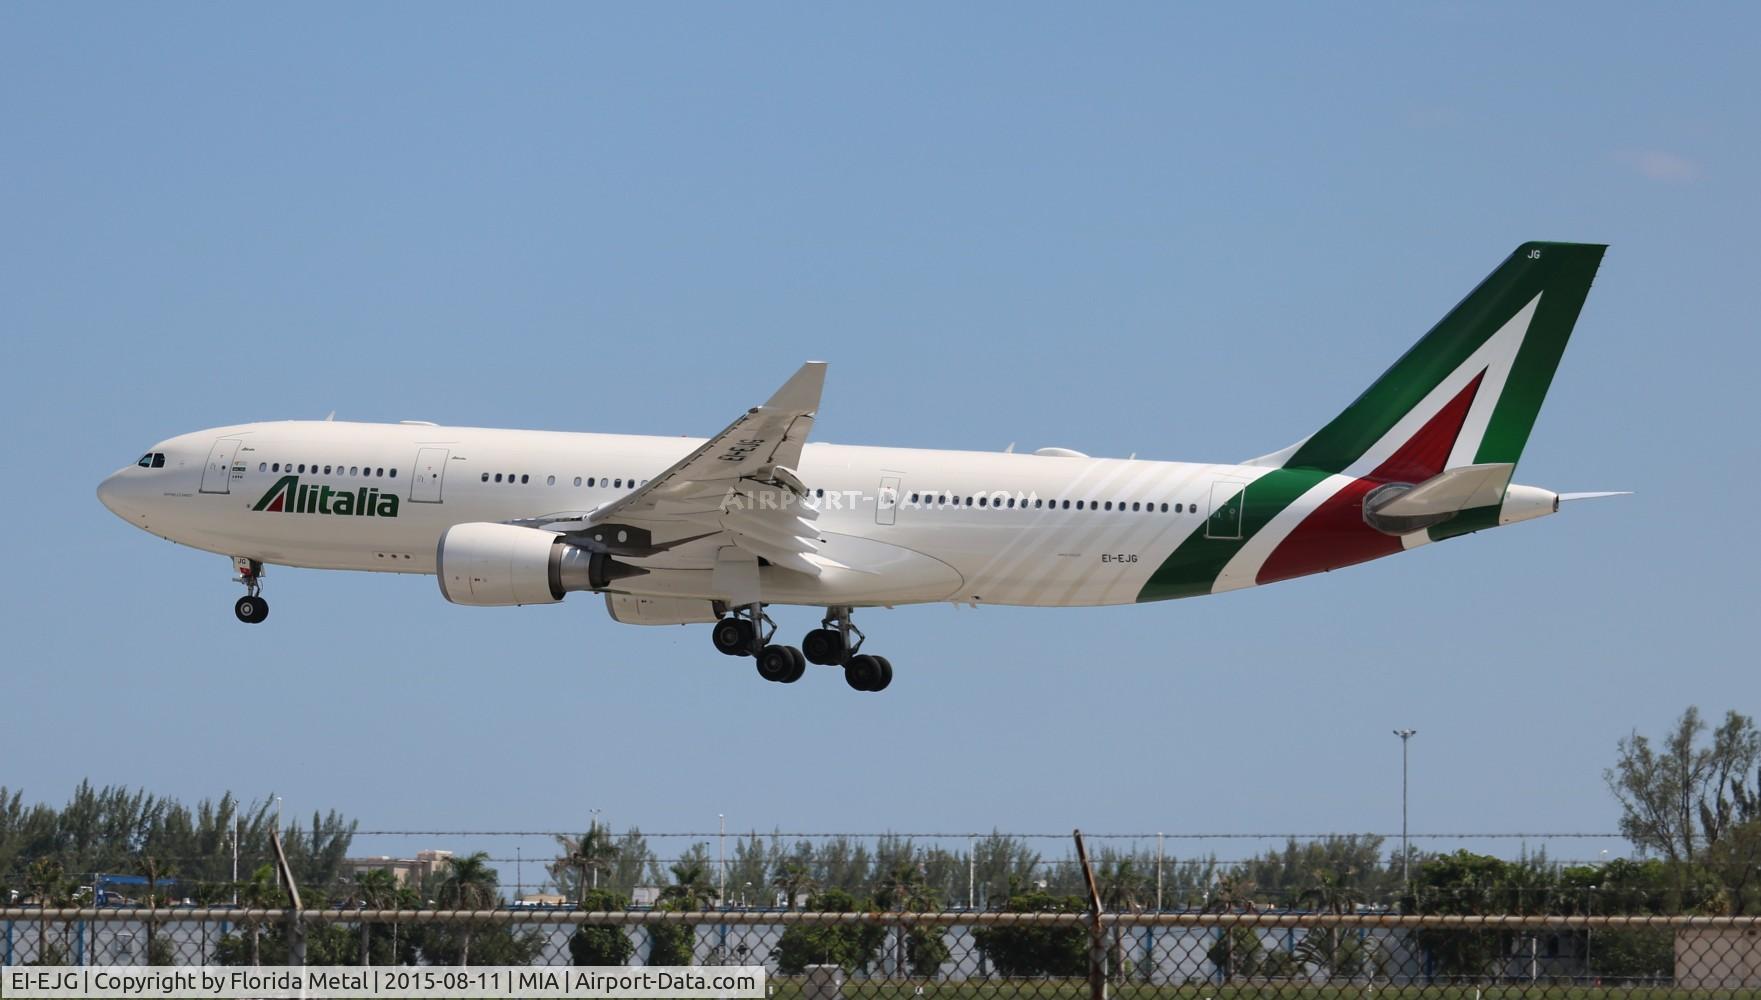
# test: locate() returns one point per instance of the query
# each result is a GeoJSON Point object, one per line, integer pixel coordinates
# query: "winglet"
{"type": "Point", "coordinates": [801, 393]}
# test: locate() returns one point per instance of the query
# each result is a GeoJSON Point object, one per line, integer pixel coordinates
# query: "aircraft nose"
{"type": "Point", "coordinates": [110, 494]}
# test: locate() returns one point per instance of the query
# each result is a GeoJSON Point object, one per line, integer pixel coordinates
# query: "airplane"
{"type": "Point", "coordinates": [674, 531]}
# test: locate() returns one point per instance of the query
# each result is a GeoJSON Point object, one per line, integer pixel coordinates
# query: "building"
{"type": "Point", "coordinates": [407, 871]}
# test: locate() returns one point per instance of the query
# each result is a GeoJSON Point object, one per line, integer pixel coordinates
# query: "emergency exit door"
{"type": "Point", "coordinates": [430, 475]}
{"type": "Point", "coordinates": [217, 474]}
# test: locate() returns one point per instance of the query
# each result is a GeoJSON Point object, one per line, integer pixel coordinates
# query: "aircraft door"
{"type": "Point", "coordinates": [430, 475]}
{"type": "Point", "coordinates": [1228, 498]}
{"type": "Point", "coordinates": [886, 500]}
{"type": "Point", "coordinates": [217, 474]}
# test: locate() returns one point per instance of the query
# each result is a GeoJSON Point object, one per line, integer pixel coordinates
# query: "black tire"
{"type": "Point", "coordinates": [733, 636]}
{"type": "Point", "coordinates": [824, 646]}
{"type": "Point", "coordinates": [886, 673]}
{"type": "Point", "coordinates": [251, 610]}
{"type": "Point", "coordinates": [862, 672]}
{"type": "Point", "coordinates": [800, 665]}
{"type": "Point", "coordinates": [777, 663]}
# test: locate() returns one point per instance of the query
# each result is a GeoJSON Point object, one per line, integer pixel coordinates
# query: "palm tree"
{"type": "Point", "coordinates": [260, 892]}
{"type": "Point", "coordinates": [374, 889]}
{"type": "Point", "coordinates": [1122, 888]}
{"type": "Point", "coordinates": [903, 889]}
{"type": "Point", "coordinates": [690, 889]}
{"type": "Point", "coordinates": [795, 881]}
{"type": "Point", "coordinates": [469, 884]}
{"type": "Point", "coordinates": [1328, 894]}
{"type": "Point", "coordinates": [46, 881]}
{"type": "Point", "coordinates": [592, 852]}
{"type": "Point", "coordinates": [148, 865]}
{"type": "Point", "coordinates": [1231, 893]}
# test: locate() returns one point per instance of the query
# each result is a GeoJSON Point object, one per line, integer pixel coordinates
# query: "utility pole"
{"type": "Point", "coordinates": [1405, 735]}
{"type": "Point", "coordinates": [1160, 844]}
{"type": "Point", "coordinates": [721, 858]}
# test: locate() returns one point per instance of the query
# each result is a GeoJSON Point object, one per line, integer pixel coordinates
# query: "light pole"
{"type": "Point", "coordinates": [721, 858]}
{"type": "Point", "coordinates": [1406, 736]}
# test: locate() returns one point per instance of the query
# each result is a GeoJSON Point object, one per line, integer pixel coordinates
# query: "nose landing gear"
{"type": "Point", "coordinates": [251, 608]}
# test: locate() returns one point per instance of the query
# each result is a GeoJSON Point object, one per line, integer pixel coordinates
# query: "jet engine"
{"type": "Point", "coordinates": [484, 564]}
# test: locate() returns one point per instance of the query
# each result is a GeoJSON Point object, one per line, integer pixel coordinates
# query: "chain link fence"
{"type": "Point", "coordinates": [1072, 953]}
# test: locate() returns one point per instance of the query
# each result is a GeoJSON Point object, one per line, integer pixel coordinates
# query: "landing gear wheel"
{"type": "Point", "coordinates": [886, 674]}
{"type": "Point", "coordinates": [251, 610]}
{"type": "Point", "coordinates": [781, 664]}
{"type": "Point", "coordinates": [824, 646]}
{"type": "Point", "coordinates": [863, 672]}
{"type": "Point", "coordinates": [733, 636]}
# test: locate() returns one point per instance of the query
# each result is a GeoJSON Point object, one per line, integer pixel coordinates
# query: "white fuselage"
{"type": "Point", "coordinates": [1001, 528]}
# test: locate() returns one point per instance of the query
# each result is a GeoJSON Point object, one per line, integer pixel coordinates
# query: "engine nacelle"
{"type": "Point", "coordinates": [484, 564]}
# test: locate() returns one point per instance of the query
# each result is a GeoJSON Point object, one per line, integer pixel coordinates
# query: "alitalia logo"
{"type": "Point", "coordinates": [289, 496]}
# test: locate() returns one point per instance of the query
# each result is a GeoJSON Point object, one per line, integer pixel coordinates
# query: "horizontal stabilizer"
{"type": "Point", "coordinates": [1452, 490]}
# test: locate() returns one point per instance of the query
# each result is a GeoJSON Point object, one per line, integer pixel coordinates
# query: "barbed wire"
{"type": "Point", "coordinates": [711, 834]}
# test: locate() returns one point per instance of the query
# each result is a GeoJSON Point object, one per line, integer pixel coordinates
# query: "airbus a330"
{"type": "Point", "coordinates": [678, 530]}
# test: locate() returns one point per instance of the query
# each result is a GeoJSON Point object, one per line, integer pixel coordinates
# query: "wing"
{"type": "Point", "coordinates": [740, 484]}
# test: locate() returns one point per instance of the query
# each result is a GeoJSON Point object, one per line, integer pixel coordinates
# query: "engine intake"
{"type": "Point", "coordinates": [484, 564]}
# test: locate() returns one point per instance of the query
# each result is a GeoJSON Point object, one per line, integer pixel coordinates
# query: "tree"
{"type": "Point", "coordinates": [601, 944]}
{"type": "Point", "coordinates": [47, 883]}
{"type": "Point", "coordinates": [1231, 893]}
{"type": "Point", "coordinates": [1235, 952]}
{"type": "Point", "coordinates": [903, 890]}
{"type": "Point", "coordinates": [469, 883]}
{"type": "Point", "coordinates": [851, 946]}
{"type": "Point", "coordinates": [259, 892]}
{"type": "Point", "coordinates": [586, 857]}
{"type": "Point", "coordinates": [1685, 797]}
{"type": "Point", "coordinates": [691, 888]}
{"type": "Point", "coordinates": [1122, 889]}
{"type": "Point", "coordinates": [374, 889]}
{"type": "Point", "coordinates": [795, 880]}
{"type": "Point", "coordinates": [1330, 894]}
{"type": "Point", "coordinates": [1037, 949]}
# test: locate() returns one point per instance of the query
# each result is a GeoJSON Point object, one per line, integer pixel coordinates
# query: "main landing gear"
{"type": "Point", "coordinates": [748, 632]}
{"type": "Point", "coordinates": [251, 608]}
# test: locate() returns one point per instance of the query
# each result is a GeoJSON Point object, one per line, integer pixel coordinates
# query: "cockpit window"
{"type": "Point", "coordinates": [146, 461]}
{"type": "Point", "coordinates": [152, 460]}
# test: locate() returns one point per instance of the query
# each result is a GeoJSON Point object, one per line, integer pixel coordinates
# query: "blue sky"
{"type": "Point", "coordinates": [1185, 232]}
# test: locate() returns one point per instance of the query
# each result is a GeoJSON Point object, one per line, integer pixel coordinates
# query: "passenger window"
{"type": "Point", "coordinates": [327, 470]}
{"type": "Point", "coordinates": [1164, 508]}
{"type": "Point", "coordinates": [498, 477]}
{"type": "Point", "coordinates": [393, 474]}
{"type": "Point", "coordinates": [524, 479]}
{"type": "Point", "coordinates": [1079, 505]}
{"type": "Point", "coordinates": [590, 480]}
{"type": "Point", "coordinates": [486, 477]}
{"type": "Point", "coordinates": [1134, 505]}
{"type": "Point", "coordinates": [262, 466]}
{"type": "Point", "coordinates": [618, 483]}
{"type": "Point", "coordinates": [302, 466]}
{"type": "Point", "coordinates": [380, 473]}
{"type": "Point", "coordinates": [577, 480]}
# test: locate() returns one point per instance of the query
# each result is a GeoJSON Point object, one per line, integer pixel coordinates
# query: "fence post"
{"type": "Point", "coordinates": [296, 927]}
{"type": "Point", "coordinates": [1097, 935]}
